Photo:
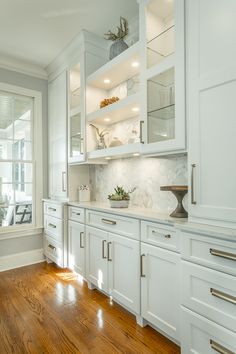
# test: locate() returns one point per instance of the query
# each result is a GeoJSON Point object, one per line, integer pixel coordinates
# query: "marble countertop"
{"type": "Point", "coordinates": [155, 216]}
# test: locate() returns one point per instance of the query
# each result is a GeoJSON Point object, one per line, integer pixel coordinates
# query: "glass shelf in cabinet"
{"type": "Point", "coordinates": [167, 112]}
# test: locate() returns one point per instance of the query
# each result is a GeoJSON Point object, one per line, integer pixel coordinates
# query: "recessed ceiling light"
{"type": "Point", "coordinates": [107, 119]}
{"type": "Point", "coordinates": [108, 158]}
{"type": "Point", "coordinates": [136, 154]}
{"type": "Point", "coordinates": [135, 109]}
{"type": "Point", "coordinates": [106, 81]}
{"type": "Point", "coordinates": [135, 64]}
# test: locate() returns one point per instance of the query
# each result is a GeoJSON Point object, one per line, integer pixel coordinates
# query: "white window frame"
{"type": "Point", "coordinates": [36, 226]}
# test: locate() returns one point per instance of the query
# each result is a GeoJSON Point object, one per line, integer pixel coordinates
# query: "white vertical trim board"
{"type": "Point", "coordinates": [22, 259]}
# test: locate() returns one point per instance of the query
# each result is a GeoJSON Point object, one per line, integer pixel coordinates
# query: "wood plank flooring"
{"type": "Point", "coordinates": [44, 309]}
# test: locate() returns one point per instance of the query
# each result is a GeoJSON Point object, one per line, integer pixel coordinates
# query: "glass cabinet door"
{"type": "Point", "coordinates": [75, 116]}
{"type": "Point", "coordinates": [161, 107]}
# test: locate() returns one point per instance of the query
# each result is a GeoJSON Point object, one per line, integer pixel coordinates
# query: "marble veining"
{"type": "Point", "coordinates": [147, 174]}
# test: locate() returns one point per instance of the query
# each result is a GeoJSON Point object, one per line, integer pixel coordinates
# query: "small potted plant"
{"type": "Point", "coordinates": [121, 198]}
{"type": "Point", "coordinates": [118, 45]}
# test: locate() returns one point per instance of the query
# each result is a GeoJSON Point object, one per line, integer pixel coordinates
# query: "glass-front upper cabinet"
{"type": "Point", "coordinates": [164, 80]}
{"type": "Point", "coordinates": [76, 115]}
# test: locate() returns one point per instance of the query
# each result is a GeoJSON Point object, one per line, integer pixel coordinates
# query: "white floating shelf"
{"type": "Point", "coordinates": [116, 152]}
{"type": "Point", "coordinates": [121, 110]}
{"type": "Point", "coordinates": [117, 70]}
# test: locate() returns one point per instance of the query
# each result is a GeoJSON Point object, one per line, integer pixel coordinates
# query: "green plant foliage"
{"type": "Point", "coordinates": [122, 31]}
{"type": "Point", "coordinates": [121, 194]}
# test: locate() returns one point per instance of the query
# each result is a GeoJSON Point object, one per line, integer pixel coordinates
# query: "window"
{"type": "Point", "coordinates": [19, 198]}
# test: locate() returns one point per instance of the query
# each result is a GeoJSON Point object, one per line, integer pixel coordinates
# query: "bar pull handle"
{"type": "Point", "coordinates": [141, 131]}
{"type": "Point", "coordinates": [81, 239]}
{"type": "Point", "coordinates": [63, 175]}
{"type": "Point", "coordinates": [159, 234]}
{"type": "Point", "coordinates": [81, 144]}
{"type": "Point", "coordinates": [52, 209]}
{"type": "Point", "coordinates": [75, 213]}
{"type": "Point", "coordinates": [193, 201]}
{"type": "Point", "coordinates": [52, 247]}
{"type": "Point", "coordinates": [103, 249]}
{"type": "Point", "coordinates": [223, 254]}
{"type": "Point", "coordinates": [110, 222]}
{"type": "Point", "coordinates": [141, 266]}
{"type": "Point", "coordinates": [108, 252]}
{"type": "Point", "coordinates": [219, 348]}
{"type": "Point", "coordinates": [223, 296]}
{"type": "Point", "coordinates": [52, 225]}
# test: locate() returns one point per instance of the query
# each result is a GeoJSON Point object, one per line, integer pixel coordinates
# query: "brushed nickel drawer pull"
{"type": "Point", "coordinates": [223, 296]}
{"type": "Point", "coordinates": [63, 176]}
{"type": "Point", "coordinates": [103, 249]}
{"type": "Point", "coordinates": [159, 234]}
{"type": "Point", "coordinates": [74, 212]}
{"type": "Point", "coordinates": [52, 225]}
{"type": "Point", "coordinates": [80, 239]}
{"type": "Point", "coordinates": [110, 222]}
{"type": "Point", "coordinates": [141, 266]}
{"type": "Point", "coordinates": [108, 252]}
{"type": "Point", "coordinates": [193, 201]}
{"type": "Point", "coordinates": [219, 348]}
{"type": "Point", "coordinates": [223, 254]}
{"type": "Point", "coordinates": [53, 209]}
{"type": "Point", "coordinates": [52, 247]}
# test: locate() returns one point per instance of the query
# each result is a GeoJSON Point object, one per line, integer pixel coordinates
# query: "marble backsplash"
{"type": "Point", "coordinates": [147, 174]}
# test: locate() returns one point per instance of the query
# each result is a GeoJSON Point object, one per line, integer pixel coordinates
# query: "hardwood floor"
{"type": "Point", "coordinates": [44, 309]}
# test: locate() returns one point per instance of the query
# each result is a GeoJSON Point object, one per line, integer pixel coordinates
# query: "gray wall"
{"type": "Point", "coordinates": [23, 244]}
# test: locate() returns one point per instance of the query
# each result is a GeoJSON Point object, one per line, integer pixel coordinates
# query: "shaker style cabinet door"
{"type": "Point", "coordinates": [96, 257]}
{"type": "Point", "coordinates": [57, 136]}
{"type": "Point", "coordinates": [76, 247]}
{"type": "Point", "coordinates": [211, 82]}
{"type": "Point", "coordinates": [160, 287]}
{"type": "Point", "coordinates": [124, 271]}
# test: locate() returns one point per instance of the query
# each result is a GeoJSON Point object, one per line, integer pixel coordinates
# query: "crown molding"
{"type": "Point", "coordinates": [22, 67]}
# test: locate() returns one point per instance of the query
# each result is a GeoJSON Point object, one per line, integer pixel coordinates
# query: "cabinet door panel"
{"type": "Point", "coordinates": [96, 257]}
{"type": "Point", "coordinates": [211, 82]}
{"type": "Point", "coordinates": [124, 275]}
{"type": "Point", "coordinates": [57, 135]}
{"type": "Point", "coordinates": [160, 289]}
{"type": "Point", "coordinates": [76, 247]}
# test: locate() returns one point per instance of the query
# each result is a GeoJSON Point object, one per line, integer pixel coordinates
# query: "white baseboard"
{"type": "Point", "coordinates": [21, 259]}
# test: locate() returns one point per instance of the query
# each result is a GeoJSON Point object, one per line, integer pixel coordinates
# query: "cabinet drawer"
{"type": "Point", "coordinates": [210, 252]}
{"type": "Point", "coordinates": [114, 223]}
{"type": "Point", "coordinates": [53, 227]}
{"type": "Point", "coordinates": [210, 293]}
{"type": "Point", "coordinates": [54, 251]}
{"type": "Point", "coordinates": [201, 336]}
{"type": "Point", "coordinates": [159, 235]}
{"type": "Point", "coordinates": [52, 209]}
{"type": "Point", "coordinates": [76, 214]}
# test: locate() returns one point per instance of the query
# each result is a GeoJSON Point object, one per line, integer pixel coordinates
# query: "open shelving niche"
{"type": "Point", "coordinates": [121, 121]}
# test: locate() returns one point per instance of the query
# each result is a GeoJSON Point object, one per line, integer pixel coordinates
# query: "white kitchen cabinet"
{"type": "Point", "coordinates": [112, 265]}
{"type": "Point", "coordinates": [162, 33]}
{"type": "Point", "coordinates": [96, 257]}
{"type": "Point", "coordinates": [57, 136]}
{"type": "Point", "coordinates": [76, 247]}
{"type": "Point", "coordinates": [211, 82]}
{"type": "Point", "coordinates": [124, 271]}
{"type": "Point", "coordinates": [160, 289]}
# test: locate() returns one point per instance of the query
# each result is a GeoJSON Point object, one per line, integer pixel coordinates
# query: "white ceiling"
{"type": "Point", "coordinates": [37, 30]}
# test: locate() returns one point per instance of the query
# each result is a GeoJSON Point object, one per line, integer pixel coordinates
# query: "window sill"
{"type": "Point", "coordinates": [20, 231]}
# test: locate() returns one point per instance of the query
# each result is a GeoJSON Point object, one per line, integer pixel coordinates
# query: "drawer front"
{"type": "Point", "coordinates": [52, 209]}
{"type": "Point", "coordinates": [76, 214]}
{"type": "Point", "coordinates": [114, 223]}
{"type": "Point", "coordinates": [160, 235]}
{"type": "Point", "coordinates": [210, 293]}
{"type": "Point", "coordinates": [53, 227]}
{"type": "Point", "coordinates": [201, 336]}
{"type": "Point", "coordinates": [54, 251]}
{"type": "Point", "coordinates": [210, 252]}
